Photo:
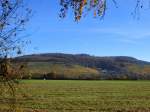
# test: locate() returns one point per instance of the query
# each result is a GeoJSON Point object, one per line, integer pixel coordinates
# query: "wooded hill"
{"type": "Point", "coordinates": [83, 66]}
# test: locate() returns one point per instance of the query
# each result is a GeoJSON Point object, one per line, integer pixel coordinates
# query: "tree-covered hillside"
{"type": "Point", "coordinates": [83, 66]}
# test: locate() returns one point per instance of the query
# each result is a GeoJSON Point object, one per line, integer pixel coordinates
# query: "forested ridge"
{"type": "Point", "coordinates": [84, 66]}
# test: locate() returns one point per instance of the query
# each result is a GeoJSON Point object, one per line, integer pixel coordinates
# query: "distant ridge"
{"type": "Point", "coordinates": [45, 55]}
{"type": "Point", "coordinates": [109, 67]}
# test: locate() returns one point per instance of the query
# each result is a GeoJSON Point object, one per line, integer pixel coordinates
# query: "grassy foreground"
{"type": "Point", "coordinates": [86, 96]}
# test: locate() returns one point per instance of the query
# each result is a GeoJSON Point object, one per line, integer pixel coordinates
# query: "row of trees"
{"type": "Point", "coordinates": [88, 76]}
{"type": "Point", "coordinates": [56, 76]}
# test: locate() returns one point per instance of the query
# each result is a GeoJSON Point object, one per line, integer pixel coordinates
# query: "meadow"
{"type": "Point", "coordinates": [84, 96]}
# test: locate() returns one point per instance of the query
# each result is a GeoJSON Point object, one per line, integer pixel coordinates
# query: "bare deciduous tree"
{"type": "Point", "coordinates": [13, 17]}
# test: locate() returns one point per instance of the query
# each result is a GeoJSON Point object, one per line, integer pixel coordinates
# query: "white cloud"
{"type": "Point", "coordinates": [125, 35]}
{"type": "Point", "coordinates": [135, 33]}
{"type": "Point", "coordinates": [124, 32]}
{"type": "Point", "coordinates": [128, 35]}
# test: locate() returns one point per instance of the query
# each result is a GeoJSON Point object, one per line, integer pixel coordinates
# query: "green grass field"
{"type": "Point", "coordinates": [86, 96]}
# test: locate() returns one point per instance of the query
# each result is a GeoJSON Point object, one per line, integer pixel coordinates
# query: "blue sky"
{"type": "Point", "coordinates": [118, 34]}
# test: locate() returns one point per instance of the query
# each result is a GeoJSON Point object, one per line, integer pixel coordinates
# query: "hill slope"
{"type": "Point", "coordinates": [75, 66]}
